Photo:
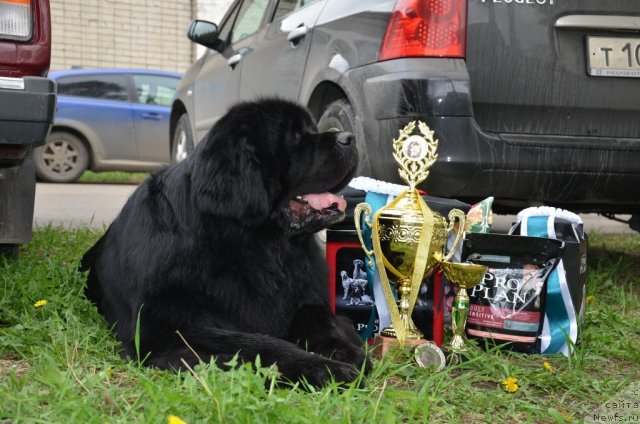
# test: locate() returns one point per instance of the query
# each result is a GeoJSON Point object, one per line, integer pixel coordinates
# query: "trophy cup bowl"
{"type": "Point", "coordinates": [463, 276]}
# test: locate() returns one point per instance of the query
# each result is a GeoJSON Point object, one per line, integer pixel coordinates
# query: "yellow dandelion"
{"type": "Point", "coordinates": [40, 303]}
{"type": "Point", "coordinates": [172, 419]}
{"type": "Point", "coordinates": [511, 384]}
{"type": "Point", "coordinates": [591, 299]}
{"type": "Point", "coordinates": [547, 366]}
{"type": "Point", "coordinates": [510, 380]}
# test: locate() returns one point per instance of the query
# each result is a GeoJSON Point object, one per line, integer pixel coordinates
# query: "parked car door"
{"type": "Point", "coordinates": [218, 84]}
{"type": "Point", "coordinates": [151, 109]}
{"type": "Point", "coordinates": [102, 101]}
{"type": "Point", "coordinates": [283, 44]}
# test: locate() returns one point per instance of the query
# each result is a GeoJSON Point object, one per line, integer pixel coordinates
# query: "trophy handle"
{"type": "Point", "coordinates": [455, 215]}
{"type": "Point", "coordinates": [363, 208]}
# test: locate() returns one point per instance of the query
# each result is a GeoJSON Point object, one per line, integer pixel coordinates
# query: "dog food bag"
{"type": "Point", "coordinates": [507, 306]}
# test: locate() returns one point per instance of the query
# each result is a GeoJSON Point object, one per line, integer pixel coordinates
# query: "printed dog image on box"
{"type": "Point", "coordinates": [221, 248]}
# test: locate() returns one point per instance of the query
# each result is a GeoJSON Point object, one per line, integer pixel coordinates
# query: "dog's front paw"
{"type": "Point", "coordinates": [328, 370]}
{"type": "Point", "coordinates": [319, 371]}
{"type": "Point", "coordinates": [350, 354]}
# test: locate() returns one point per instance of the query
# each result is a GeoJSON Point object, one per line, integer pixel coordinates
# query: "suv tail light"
{"type": "Point", "coordinates": [16, 21]}
{"type": "Point", "coordinates": [426, 28]}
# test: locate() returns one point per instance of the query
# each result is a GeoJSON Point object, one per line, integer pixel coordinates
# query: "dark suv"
{"type": "Point", "coordinates": [27, 105]}
{"type": "Point", "coordinates": [533, 101]}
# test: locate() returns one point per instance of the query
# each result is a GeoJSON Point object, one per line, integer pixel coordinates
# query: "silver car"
{"type": "Point", "coordinates": [532, 101]}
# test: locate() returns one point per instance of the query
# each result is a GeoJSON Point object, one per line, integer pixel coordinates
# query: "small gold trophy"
{"type": "Point", "coordinates": [463, 276]}
{"type": "Point", "coordinates": [408, 239]}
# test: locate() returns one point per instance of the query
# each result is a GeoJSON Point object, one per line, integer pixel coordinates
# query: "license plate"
{"type": "Point", "coordinates": [613, 57]}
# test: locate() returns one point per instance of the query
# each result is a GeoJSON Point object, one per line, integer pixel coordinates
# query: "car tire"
{"type": "Point", "coordinates": [182, 142]}
{"type": "Point", "coordinates": [62, 159]}
{"type": "Point", "coordinates": [9, 251]}
{"type": "Point", "coordinates": [340, 115]}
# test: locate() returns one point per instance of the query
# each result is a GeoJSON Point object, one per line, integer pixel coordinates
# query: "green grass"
{"type": "Point", "coordinates": [60, 364]}
{"type": "Point", "coordinates": [113, 177]}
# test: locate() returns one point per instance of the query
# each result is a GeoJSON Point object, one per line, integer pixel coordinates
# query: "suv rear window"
{"type": "Point", "coordinates": [110, 87]}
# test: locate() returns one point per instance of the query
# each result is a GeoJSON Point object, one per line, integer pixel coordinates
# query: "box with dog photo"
{"type": "Point", "coordinates": [352, 292]}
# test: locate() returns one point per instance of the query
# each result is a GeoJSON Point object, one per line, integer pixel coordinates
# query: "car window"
{"type": "Point", "coordinates": [249, 18]}
{"type": "Point", "coordinates": [111, 87]}
{"type": "Point", "coordinates": [225, 28]}
{"type": "Point", "coordinates": [155, 89]}
{"type": "Point", "coordinates": [287, 6]}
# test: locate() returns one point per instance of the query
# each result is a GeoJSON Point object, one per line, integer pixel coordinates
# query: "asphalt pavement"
{"type": "Point", "coordinates": [79, 205]}
{"type": "Point", "coordinates": [96, 205]}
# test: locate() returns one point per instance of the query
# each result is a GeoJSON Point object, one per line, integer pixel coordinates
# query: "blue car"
{"type": "Point", "coordinates": [107, 120]}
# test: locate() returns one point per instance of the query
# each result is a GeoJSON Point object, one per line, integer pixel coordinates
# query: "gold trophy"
{"type": "Point", "coordinates": [408, 239]}
{"type": "Point", "coordinates": [463, 276]}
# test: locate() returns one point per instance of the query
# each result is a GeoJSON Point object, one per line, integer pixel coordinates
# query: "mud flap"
{"type": "Point", "coordinates": [17, 197]}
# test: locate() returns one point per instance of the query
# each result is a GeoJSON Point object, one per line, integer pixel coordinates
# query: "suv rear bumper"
{"type": "Point", "coordinates": [578, 173]}
{"type": "Point", "coordinates": [27, 108]}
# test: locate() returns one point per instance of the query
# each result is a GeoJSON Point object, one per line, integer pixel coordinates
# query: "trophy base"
{"type": "Point", "coordinates": [412, 333]}
{"type": "Point", "coordinates": [383, 344]}
{"type": "Point", "coordinates": [426, 353]}
{"type": "Point", "coordinates": [455, 354]}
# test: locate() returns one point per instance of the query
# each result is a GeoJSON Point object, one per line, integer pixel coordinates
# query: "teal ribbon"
{"type": "Point", "coordinates": [555, 310]}
{"type": "Point", "coordinates": [376, 201]}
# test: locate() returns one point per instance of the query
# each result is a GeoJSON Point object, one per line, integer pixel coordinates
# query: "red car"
{"type": "Point", "coordinates": [27, 106]}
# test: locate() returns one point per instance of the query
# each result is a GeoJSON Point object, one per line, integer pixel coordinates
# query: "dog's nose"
{"type": "Point", "coordinates": [345, 138]}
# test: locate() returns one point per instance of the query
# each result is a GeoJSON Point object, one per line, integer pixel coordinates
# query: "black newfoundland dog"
{"type": "Point", "coordinates": [220, 250]}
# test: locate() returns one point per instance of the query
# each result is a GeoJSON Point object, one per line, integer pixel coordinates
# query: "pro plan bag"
{"type": "Point", "coordinates": [508, 305]}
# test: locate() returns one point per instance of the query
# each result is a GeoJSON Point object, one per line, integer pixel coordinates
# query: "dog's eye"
{"type": "Point", "coordinates": [295, 138]}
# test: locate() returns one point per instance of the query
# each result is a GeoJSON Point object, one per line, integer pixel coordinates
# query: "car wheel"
{"type": "Point", "coordinates": [182, 143]}
{"type": "Point", "coordinates": [9, 251]}
{"type": "Point", "coordinates": [62, 159]}
{"type": "Point", "coordinates": [338, 115]}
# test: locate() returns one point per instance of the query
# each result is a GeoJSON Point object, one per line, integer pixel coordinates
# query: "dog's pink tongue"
{"type": "Point", "coordinates": [321, 201]}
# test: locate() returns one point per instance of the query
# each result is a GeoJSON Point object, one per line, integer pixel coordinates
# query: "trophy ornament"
{"type": "Point", "coordinates": [415, 154]}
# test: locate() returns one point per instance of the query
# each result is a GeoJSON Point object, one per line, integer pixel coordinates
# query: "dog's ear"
{"type": "Point", "coordinates": [227, 180]}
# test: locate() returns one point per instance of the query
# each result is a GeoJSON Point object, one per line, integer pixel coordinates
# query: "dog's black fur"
{"type": "Point", "coordinates": [213, 247]}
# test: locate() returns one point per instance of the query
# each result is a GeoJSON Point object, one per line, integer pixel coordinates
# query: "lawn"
{"type": "Point", "coordinates": [113, 177]}
{"type": "Point", "coordinates": [59, 363]}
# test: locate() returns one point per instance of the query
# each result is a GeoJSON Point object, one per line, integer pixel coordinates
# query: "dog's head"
{"type": "Point", "coordinates": [265, 161]}
{"type": "Point", "coordinates": [344, 275]}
